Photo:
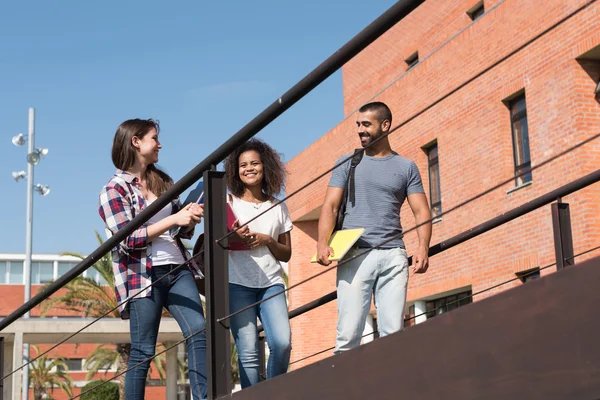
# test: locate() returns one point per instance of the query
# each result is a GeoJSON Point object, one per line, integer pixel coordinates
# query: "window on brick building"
{"type": "Point", "coordinates": [447, 303]}
{"type": "Point", "coordinates": [15, 275]}
{"type": "Point", "coordinates": [435, 194]}
{"type": "Point", "coordinates": [520, 138]}
{"type": "Point", "coordinates": [73, 364]}
{"type": "Point", "coordinates": [476, 11]}
{"type": "Point", "coordinates": [64, 267]}
{"type": "Point", "coordinates": [42, 272]}
{"type": "Point", "coordinates": [529, 275]}
{"type": "Point", "coordinates": [412, 60]}
{"type": "Point", "coordinates": [3, 272]}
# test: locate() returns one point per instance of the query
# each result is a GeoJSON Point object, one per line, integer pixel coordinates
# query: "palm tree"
{"type": "Point", "coordinates": [86, 296]}
{"type": "Point", "coordinates": [46, 374]}
{"type": "Point", "coordinates": [105, 356]}
{"type": "Point", "coordinates": [92, 300]}
{"type": "Point", "coordinates": [160, 362]}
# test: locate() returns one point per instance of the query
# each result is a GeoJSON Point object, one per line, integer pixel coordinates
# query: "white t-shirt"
{"type": "Point", "coordinates": [258, 268]}
{"type": "Point", "coordinates": [164, 248]}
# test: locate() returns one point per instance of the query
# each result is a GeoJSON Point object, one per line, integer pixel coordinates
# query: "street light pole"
{"type": "Point", "coordinates": [34, 155]}
{"type": "Point", "coordinates": [28, 240]}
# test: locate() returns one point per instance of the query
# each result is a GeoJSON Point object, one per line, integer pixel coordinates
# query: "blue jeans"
{"type": "Point", "coordinates": [273, 315]}
{"type": "Point", "coordinates": [381, 272]}
{"type": "Point", "coordinates": [178, 293]}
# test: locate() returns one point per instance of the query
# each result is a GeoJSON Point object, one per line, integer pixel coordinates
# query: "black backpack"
{"type": "Point", "coordinates": [348, 189]}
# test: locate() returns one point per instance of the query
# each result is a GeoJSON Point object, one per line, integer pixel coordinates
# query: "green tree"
{"type": "Point", "coordinates": [46, 374]}
{"type": "Point", "coordinates": [108, 391]}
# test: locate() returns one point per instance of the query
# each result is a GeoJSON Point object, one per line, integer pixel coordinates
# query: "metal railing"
{"type": "Point", "coordinates": [278, 107]}
{"type": "Point", "coordinates": [218, 312]}
{"type": "Point", "coordinates": [284, 102]}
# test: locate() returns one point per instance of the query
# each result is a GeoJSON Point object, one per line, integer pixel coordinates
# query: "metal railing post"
{"type": "Point", "coordinates": [1, 368]}
{"type": "Point", "coordinates": [218, 371]}
{"type": "Point", "coordinates": [563, 237]}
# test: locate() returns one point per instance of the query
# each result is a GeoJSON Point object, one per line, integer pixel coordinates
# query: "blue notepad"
{"type": "Point", "coordinates": [196, 195]}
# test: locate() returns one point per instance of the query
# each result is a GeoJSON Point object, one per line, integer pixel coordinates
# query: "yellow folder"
{"type": "Point", "coordinates": [341, 242]}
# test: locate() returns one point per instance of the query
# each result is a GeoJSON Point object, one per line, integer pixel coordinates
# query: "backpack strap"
{"type": "Point", "coordinates": [356, 158]}
{"type": "Point", "coordinates": [349, 187]}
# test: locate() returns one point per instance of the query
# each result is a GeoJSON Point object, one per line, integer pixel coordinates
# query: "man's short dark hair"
{"type": "Point", "coordinates": [382, 110]}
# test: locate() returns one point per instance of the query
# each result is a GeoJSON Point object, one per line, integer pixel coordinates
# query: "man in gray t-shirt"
{"type": "Point", "coordinates": [383, 180]}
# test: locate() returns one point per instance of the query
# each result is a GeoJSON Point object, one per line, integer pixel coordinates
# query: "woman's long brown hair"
{"type": "Point", "coordinates": [124, 154]}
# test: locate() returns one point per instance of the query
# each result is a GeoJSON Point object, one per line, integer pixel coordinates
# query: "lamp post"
{"type": "Point", "coordinates": [33, 157]}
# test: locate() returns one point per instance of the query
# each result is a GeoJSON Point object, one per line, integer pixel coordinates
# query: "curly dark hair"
{"type": "Point", "coordinates": [273, 169]}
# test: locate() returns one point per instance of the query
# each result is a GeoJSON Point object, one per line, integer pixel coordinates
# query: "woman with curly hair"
{"type": "Point", "coordinates": [255, 174]}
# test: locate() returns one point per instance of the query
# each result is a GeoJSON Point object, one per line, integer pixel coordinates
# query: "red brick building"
{"type": "Point", "coordinates": [538, 101]}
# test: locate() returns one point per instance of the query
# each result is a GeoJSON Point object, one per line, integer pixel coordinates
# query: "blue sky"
{"type": "Point", "coordinates": [204, 69]}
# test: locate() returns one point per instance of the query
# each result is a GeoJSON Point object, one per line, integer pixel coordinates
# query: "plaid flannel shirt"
{"type": "Point", "coordinates": [120, 201]}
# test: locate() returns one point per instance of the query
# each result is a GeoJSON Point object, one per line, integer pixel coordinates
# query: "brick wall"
{"type": "Point", "coordinates": [473, 132]}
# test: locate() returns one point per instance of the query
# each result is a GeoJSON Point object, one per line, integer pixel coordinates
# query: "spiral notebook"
{"type": "Point", "coordinates": [341, 242]}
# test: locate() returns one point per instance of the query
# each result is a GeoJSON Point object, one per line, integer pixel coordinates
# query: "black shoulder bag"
{"type": "Point", "coordinates": [348, 189]}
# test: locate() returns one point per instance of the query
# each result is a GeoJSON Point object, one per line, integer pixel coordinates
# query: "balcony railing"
{"type": "Point", "coordinates": [215, 256]}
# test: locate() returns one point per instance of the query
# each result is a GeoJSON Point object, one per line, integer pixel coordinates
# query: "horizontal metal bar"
{"type": "Point", "coordinates": [478, 230]}
{"type": "Point", "coordinates": [288, 99]}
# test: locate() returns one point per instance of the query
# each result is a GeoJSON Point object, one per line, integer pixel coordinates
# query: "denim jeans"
{"type": "Point", "coordinates": [383, 272]}
{"type": "Point", "coordinates": [178, 293]}
{"type": "Point", "coordinates": [273, 315]}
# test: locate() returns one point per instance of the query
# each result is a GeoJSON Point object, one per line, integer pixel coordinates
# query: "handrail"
{"type": "Point", "coordinates": [288, 99]}
{"type": "Point", "coordinates": [480, 229]}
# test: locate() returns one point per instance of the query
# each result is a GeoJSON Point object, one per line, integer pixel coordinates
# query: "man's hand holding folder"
{"type": "Point", "coordinates": [324, 252]}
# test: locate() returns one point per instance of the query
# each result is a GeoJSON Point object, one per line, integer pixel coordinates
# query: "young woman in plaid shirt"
{"type": "Point", "coordinates": [153, 254]}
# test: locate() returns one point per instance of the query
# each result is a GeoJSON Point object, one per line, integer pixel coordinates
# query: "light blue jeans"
{"type": "Point", "coordinates": [273, 315]}
{"type": "Point", "coordinates": [383, 272]}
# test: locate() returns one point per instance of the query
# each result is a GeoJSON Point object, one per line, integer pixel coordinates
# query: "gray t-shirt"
{"type": "Point", "coordinates": [381, 186]}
